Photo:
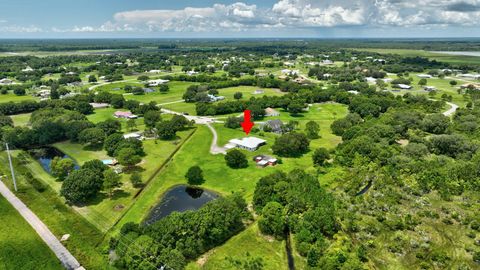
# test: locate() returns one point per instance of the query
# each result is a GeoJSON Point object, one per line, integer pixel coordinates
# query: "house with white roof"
{"type": "Point", "coordinates": [424, 76]}
{"type": "Point", "coordinates": [404, 86]}
{"type": "Point", "coordinates": [247, 143]}
{"type": "Point", "coordinates": [157, 82]}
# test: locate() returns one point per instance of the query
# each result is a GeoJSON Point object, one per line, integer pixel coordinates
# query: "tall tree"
{"type": "Point", "coordinates": [194, 176]}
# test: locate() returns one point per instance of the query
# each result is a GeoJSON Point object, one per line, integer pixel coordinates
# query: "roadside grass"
{"type": "Point", "coordinates": [59, 218]}
{"type": "Point", "coordinates": [21, 247]}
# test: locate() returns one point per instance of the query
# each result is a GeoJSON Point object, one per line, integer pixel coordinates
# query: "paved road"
{"type": "Point", "coordinates": [452, 110]}
{"type": "Point", "coordinates": [65, 257]}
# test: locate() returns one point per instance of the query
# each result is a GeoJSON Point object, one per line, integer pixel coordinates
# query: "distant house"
{"type": "Point", "coordinates": [424, 76]}
{"type": "Point", "coordinates": [27, 69]}
{"type": "Point", "coordinates": [154, 71]}
{"type": "Point", "coordinates": [214, 98]}
{"type": "Point", "coordinates": [110, 162]}
{"type": "Point", "coordinates": [148, 90]}
{"type": "Point", "coordinates": [258, 92]}
{"type": "Point", "coordinates": [126, 115]}
{"type": "Point", "coordinates": [248, 143]}
{"type": "Point", "coordinates": [327, 62]}
{"type": "Point", "coordinates": [381, 61]}
{"type": "Point", "coordinates": [475, 86]}
{"type": "Point", "coordinates": [264, 161]}
{"type": "Point", "coordinates": [271, 112]}
{"type": "Point", "coordinates": [5, 81]}
{"type": "Point", "coordinates": [191, 73]}
{"type": "Point", "coordinates": [157, 82]}
{"type": "Point", "coordinates": [353, 92]}
{"type": "Point", "coordinates": [96, 105]}
{"type": "Point", "coordinates": [404, 86]}
{"type": "Point", "coordinates": [290, 72]}
{"type": "Point", "coordinates": [44, 94]}
{"type": "Point", "coordinates": [429, 88]}
{"type": "Point", "coordinates": [275, 125]}
{"type": "Point", "coordinates": [133, 135]}
{"type": "Point", "coordinates": [71, 73]}
{"type": "Point", "coordinates": [469, 76]}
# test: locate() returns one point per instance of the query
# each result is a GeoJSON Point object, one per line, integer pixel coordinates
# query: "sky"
{"type": "Point", "coordinates": [239, 19]}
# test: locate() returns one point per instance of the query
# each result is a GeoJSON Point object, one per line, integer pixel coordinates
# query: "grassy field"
{"type": "Point", "coordinates": [447, 58]}
{"type": "Point", "coordinates": [21, 241]}
{"type": "Point", "coordinates": [223, 179]}
{"type": "Point", "coordinates": [21, 119]}
{"type": "Point", "coordinates": [59, 218]}
{"type": "Point", "coordinates": [255, 245]}
{"type": "Point", "coordinates": [12, 97]}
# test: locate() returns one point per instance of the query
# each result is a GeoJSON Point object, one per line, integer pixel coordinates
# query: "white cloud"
{"type": "Point", "coordinates": [293, 15]}
{"type": "Point", "coordinates": [20, 29]}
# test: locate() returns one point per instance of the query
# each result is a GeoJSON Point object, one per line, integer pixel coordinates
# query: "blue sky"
{"type": "Point", "coordinates": [221, 18]}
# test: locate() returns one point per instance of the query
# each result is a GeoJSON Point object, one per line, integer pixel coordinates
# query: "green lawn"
{"type": "Point", "coordinates": [252, 242]}
{"type": "Point", "coordinates": [223, 179]}
{"type": "Point", "coordinates": [21, 119]}
{"type": "Point", "coordinates": [247, 92]}
{"type": "Point", "coordinates": [21, 247]}
{"type": "Point", "coordinates": [12, 97]}
{"type": "Point", "coordinates": [59, 218]}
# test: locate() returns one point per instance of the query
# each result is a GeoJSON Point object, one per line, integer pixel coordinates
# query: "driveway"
{"type": "Point", "coordinates": [452, 110]}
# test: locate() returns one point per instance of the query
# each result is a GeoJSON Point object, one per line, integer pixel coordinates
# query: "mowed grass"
{"type": "Point", "coordinates": [59, 218]}
{"type": "Point", "coordinates": [21, 120]}
{"type": "Point", "coordinates": [21, 247]}
{"type": "Point", "coordinates": [10, 96]}
{"type": "Point", "coordinates": [248, 92]}
{"type": "Point", "coordinates": [252, 242]}
{"type": "Point", "coordinates": [218, 175]}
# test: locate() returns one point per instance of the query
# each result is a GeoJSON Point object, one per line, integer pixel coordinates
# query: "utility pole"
{"type": "Point", "coordinates": [11, 168]}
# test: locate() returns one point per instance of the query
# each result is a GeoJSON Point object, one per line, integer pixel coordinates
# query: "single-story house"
{"type": "Point", "coordinates": [258, 92]}
{"type": "Point", "coordinates": [327, 62]}
{"type": "Point", "coordinates": [6, 81]}
{"type": "Point", "coordinates": [133, 135]}
{"type": "Point", "coordinates": [126, 115]}
{"type": "Point", "coordinates": [353, 92]}
{"type": "Point", "coordinates": [424, 76]}
{"type": "Point", "coordinates": [96, 105]}
{"type": "Point", "coordinates": [110, 162]}
{"type": "Point", "coordinates": [248, 143]}
{"type": "Point", "coordinates": [429, 88]}
{"type": "Point", "coordinates": [275, 125]}
{"type": "Point", "coordinates": [27, 69]}
{"type": "Point", "coordinates": [264, 161]}
{"type": "Point", "coordinates": [470, 76]}
{"type": "Point", "coordinates": [290, 72]}
{"type": "Point", "coordinates": [157, 82]}
{"type": "Point", "coordinates": [191, 72]}
{"type": "Point", "coordinates": [470, 86]}
{"type": "Point", "coordinates": [154, 71]}
{"type": "Point", "coordinates": [44, 93]}
{"type": "Point", "coordinates": [404, 86]}
{"type": "Point", "coordinates": [148, 90]}
{"type": "Point", "coordinates": [271, 112]}
{"type": "Point", "coordinates": [214, 98]}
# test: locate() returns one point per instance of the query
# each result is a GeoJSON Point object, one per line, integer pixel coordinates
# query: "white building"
{"type": "Point", "coordinates": [154, 71]}
{"type": "Point", "coordinates": [27, 69]}
{"type": "Point", "coordinates": [157, 82]}
{"type": "Point", "coordinates": [191, 72]}
{"type": "Point", "coordinates": [404, 86]}
{"type": "Point", "coordinates": [215, 98]}
{"type": "Point", "coordinates": [248, 143]}
{"type": "Point", "coordinates": [424, 76]}
{"type": "Point", "coordinates": [290, 72]}
{"type": "Point", "coordinates": [429, 88]}
{"type": "Point", "coordinates": [133, 135]}
{"type": "Point", "coordinates": [5, 81]}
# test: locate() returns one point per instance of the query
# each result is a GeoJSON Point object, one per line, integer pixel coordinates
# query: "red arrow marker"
{"type": "Point", "coordinates": [247, 123]}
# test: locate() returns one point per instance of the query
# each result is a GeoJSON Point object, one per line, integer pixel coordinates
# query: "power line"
{"type": "Point", "coordinates": [11, 167]}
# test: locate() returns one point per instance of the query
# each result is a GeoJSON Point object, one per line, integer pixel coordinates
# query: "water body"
{"type": "Point", "coordinates": [180, 199]}
{"type": "Point", "coordinates": [45, 156]}
{"type": "Point", "coordinates": [458, 53]}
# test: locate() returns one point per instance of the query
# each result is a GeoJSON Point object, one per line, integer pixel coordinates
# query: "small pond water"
{"type": "Point", "coordinates": [45, 156]}
{"type": "Point", "coordinates": [179, 199]}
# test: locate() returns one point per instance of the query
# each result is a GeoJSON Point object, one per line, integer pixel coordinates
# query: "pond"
{"type": "Point", "coordinates": [179, 199]}
{"type": "Point", "coordinates": [45, 156]}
